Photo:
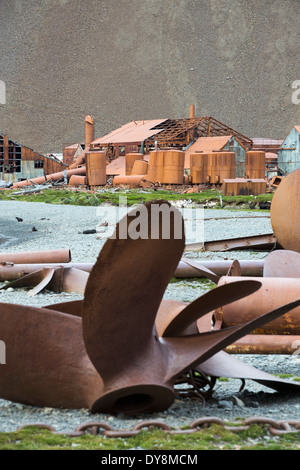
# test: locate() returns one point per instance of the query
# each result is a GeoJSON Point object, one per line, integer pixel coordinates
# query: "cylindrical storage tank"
{"type": "Point", "coordinates": [96, 168]}
{"type": "Point", "coordinates": [226, 165]}
{"type": "Point", "coordinates": [156, 166]}
{"type": "Point", "coordinates": [198, 167]}
{"type": "Point", "coordinates": [274, 293]}
{"type": "Point", "coordinates": [160, 165]}
{"type": "Point", "coordinates": [140, 167]}
{"type": "Point", "coordinates": [285, 212]}
{"type": "Point", "coordinates": [213, 168]}
{"type": "Point", "coordinates": [89, 131]}
{"type": "Point", "coordinates": [77, 181]}
{"type": "Point", "coordinates": [152, 173]}
{"type": "Point", "coordinates": [130, 158]}
{"type": "Point", "coordinates": [255, 164]}
{"type": "Point", "coordinates": [173, 167]}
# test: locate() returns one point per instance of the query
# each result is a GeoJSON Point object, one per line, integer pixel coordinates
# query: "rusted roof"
{"type": "Point", "coordinates": [297, 129]}
{"type": "Point", "coordinates": [116, 167]}
{"type": "Point", "coordinates": [135, 131]}
{"type": "Point", "coordinates": [206, 145]}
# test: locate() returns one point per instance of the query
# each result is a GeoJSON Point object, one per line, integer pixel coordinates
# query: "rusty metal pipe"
{"type": "Point", "coordinates": [37, 257]}
{"type": "Point", "coordinates": [12, 272]}
{"type": "Point", "coordinates": [52, 177]}
{"type": "Point", "coordinates": [77, 180]}
{"type": "Point", "coordinates": [273, 293]}
{"type": "Point", "coordinates": [265, 344]}
{"type": "Point", "coordinates": [220, 268]}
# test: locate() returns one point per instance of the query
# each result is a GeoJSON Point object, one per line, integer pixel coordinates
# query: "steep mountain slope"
{"type": "Point", "coordinates": [120, 60]}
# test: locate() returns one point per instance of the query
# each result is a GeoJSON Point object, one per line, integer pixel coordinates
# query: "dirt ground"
{"type": "Point", "coordinates": [127, 60]}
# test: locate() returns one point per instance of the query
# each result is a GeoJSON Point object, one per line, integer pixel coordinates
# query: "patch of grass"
{"type": "Point", "coordinates": [213, 438]}
{"type": "Point", "coordinates": [136, 197]}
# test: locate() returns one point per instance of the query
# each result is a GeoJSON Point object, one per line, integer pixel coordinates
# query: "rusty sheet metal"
{"type": "Point", "coordinates": [36, 257]}
{"type": "Point", "coordinates": [285, 212]}
{"type": "Point", "coordinates": [134, 131]}
{"type": "Point", "coordinates": [116, 167]}
{"type": "Point", "coordinates": [58, 279]}
{"type": "Point", "coordinates": [256, 242]}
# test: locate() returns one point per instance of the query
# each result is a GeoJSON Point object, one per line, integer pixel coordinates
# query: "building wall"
{"type": "Point", "coordinates": [289, 159]}
{"type": "Point", "coordinates": [240, 156]}
{"type": "Point", "coordinates": [32, 165]}
{"type": "Point", "coordinates": [27, 171]}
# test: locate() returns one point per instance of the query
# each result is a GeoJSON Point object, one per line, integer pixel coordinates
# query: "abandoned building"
{"type": "Point", "coordinates": [146, 135]}
{"type": "Point", "coordinates": [18, 162]}
{"type": "Point", "coordinates": [289, 152]}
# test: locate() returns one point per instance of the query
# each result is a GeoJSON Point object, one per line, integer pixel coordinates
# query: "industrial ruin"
{"type": "Point", "coordinates": [197, 152]}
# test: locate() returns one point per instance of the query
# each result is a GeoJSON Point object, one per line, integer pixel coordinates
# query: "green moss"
{"type": "Point", "coordinates": [135, 197]}
{"type": "Point", "coordinates": [214, 437]}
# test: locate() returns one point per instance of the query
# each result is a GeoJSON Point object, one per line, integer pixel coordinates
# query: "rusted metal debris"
{"type": "Point", "coordinates": [123, 348]}
{"type": "Point", "coordinates": [276, 428]}
{"type": "Point", "coordinates": [256, 242]}
{"type": "Point", "coordinates": [59, 279]}
{"type": "Point", "coordinates": [280, 336]}
{"type": "Point", "coordinates": [187, 268]}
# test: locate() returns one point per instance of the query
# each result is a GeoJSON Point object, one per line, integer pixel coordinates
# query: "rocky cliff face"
{"type": "Point", "coordinates": [120, 60]}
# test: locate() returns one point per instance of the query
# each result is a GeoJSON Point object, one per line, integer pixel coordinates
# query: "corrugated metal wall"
{"type": "Point", "coordinates": [289, 153]}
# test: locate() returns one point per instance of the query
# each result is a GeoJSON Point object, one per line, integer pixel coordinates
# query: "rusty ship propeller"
{"type": "Point", "coordinates": [118, 350]}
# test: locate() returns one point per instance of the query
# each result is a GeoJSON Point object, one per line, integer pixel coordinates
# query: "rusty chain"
{"type": "Point", "coordinates": [276, 428]}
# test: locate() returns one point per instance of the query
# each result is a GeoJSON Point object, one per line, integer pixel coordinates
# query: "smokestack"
{"type": "Point", "coordinates": [192, 111]}
{"type": "Point", "coordinates": [88, 131]}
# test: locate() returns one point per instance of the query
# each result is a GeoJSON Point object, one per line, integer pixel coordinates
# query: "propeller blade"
{"type": "Point", "coordinates": [72, 308]}
{"type": "Point", "coordinates": [121, 301]}
{"type": "Point", "coordinates": [193, 350]}
{"type": "Point", "coordinates": [225, 365]}
{"type": "Point", "coordinates": [47, 364]}
{"type": "Point", "coordinates": [208, 302]}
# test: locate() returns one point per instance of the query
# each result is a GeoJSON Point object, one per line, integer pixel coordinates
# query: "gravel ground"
{"type": "Point", "coordinates": [62, 227]}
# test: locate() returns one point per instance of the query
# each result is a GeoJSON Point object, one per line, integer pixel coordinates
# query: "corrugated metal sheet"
{"type": "Point", "coordinates": [135, 131]}
{"type": "Point", "coordinates": [289, 152]}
